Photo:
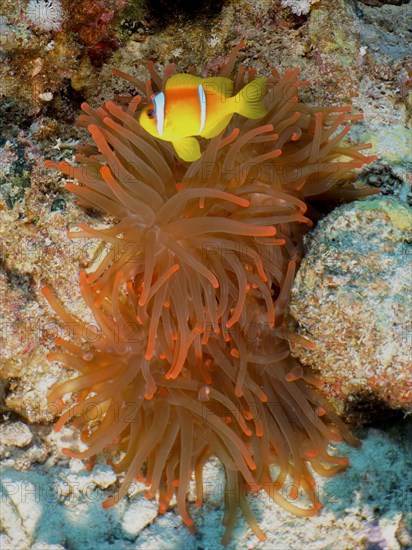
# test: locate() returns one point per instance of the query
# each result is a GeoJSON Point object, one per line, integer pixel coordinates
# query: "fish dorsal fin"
{"type": "Point", "coordinates": [187, 149]}
{"type": "Point", "coordinates": [218, 84]}
{"type": "Point", "coordinates": [214, 84]}
{"type": "Point", "coordinates": [182, 80]}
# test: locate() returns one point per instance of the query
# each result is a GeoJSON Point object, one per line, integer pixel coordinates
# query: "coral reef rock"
{"type": "Point", "coordinates": [352, 296]}
{"type": "Point", "coordinates": [15, 434]}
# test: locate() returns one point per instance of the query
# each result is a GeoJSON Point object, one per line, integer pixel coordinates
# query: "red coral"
{"type": "Point", "coordinates": [94, 23]}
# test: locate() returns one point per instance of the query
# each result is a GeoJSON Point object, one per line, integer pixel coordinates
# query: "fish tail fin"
{"type": "Point", "coordinates": [249, 101]}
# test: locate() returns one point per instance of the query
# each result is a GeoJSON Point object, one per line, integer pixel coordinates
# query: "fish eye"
{"type": "Point", "coordinates": [150, 113]}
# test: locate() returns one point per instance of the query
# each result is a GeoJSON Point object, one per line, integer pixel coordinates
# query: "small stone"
{"type": "Point", "coordinates": [46, 96]}
{"type": "Point", "coordinates": [389, 524]}
{"type": "Point", "coordinates": [104, 478]}
{"type": "Point", "coordinates": [16, 434]}
{"type": "Point", "coordinates": [403, 534]}
{"type": "Point", "coordinates": [76, 465]}
{"type": "Point", "coordinates": [37, 66]}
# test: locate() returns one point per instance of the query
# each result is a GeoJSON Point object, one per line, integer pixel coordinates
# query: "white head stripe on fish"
{"type": "Point", "coordinates": [202, 101]}
{"type": "Point", "coordinates": [159, 105]}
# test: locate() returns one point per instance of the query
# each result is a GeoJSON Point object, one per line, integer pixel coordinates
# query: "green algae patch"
{"type": "Point", "coordinates": [400, 215]}
{"type": "Point", "coordinates": [392, 143]}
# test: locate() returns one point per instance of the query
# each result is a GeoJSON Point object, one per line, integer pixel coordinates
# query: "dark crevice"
{"type": "Point", "coordinates": [162, 13]}
{"type": "Point", "coordinates": [18, 279]}
{"type": "Point", "coordinates": [65, 105]}
{"type": "Point", "coordinates": [380, 3]}
{"type": "Point", "coordinates": [365, 409]}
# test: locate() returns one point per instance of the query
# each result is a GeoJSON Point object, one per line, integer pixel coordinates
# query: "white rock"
{"type": "Point", "coordinates": [16, 434]}
{"type": "Point", "coordinates": [46, 96]}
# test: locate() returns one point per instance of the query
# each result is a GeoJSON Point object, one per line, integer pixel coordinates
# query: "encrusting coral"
{"type": "Point", "coordinates": [192, 358]}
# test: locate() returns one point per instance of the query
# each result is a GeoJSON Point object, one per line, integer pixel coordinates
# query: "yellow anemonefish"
{"type": "Point", "coordinates": [193, 106]}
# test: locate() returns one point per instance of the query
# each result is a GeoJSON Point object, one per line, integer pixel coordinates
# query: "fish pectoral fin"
{"type": "Point", "coordinates": [219, 126]}
{"type": "Point", "coordinates": [187, 149]}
